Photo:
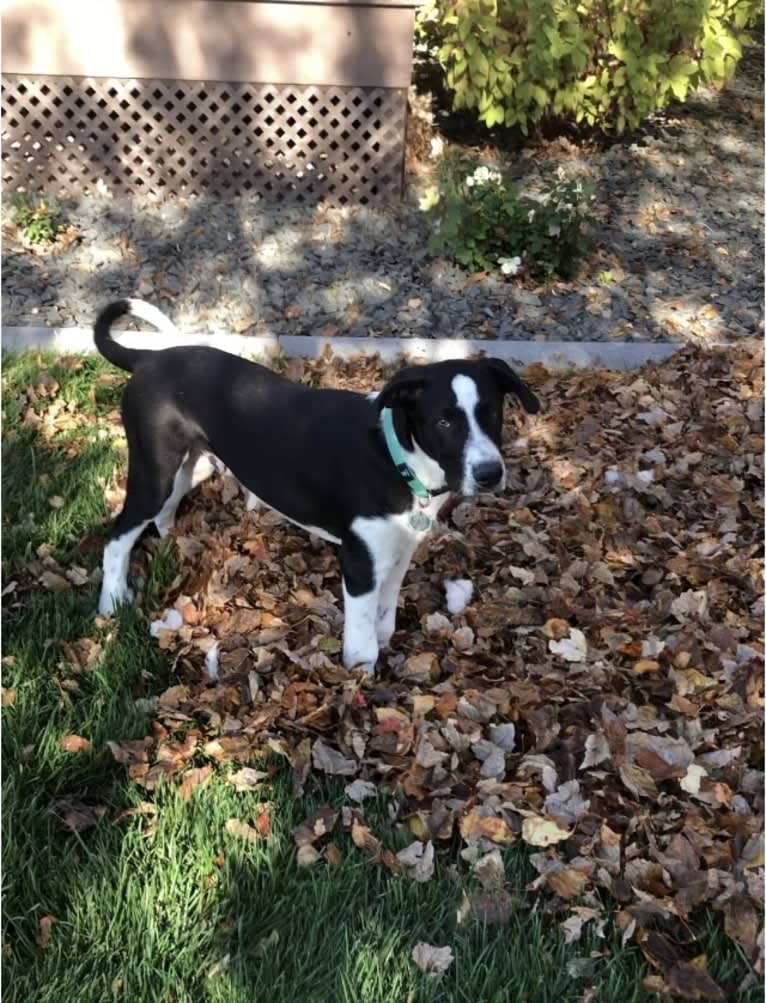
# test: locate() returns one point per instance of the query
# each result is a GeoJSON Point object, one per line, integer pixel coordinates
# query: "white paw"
{"type": "Point", "coordinates": [356, 661]}
{"type": "Point", "coordinates": [110, 599]}
{"type": "Point", "coordinates": [368, 668]}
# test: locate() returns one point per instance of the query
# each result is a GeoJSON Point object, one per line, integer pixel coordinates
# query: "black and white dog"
{"type": "Point", "coordinates": [366, 472]}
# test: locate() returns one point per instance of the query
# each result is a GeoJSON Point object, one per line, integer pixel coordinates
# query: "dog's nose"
{"type": "Point", "coordinates": [488, 474]}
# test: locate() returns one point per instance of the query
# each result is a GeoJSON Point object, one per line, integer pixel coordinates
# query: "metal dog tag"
{"type": "Point", "coordinates": [420, 522]}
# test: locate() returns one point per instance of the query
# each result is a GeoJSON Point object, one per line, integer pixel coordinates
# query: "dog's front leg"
{"type": "Point", "coordinates": [361, 588]}
{"type": "Point", "coordinates": [390, 587]}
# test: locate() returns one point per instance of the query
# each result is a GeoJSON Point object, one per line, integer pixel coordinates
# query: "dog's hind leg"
{"type": "Point", "coordinates": [114, 585]}
{"type": "Point", "coordinates": [152, 467]}
{"type": "Point", "coordinates": [193, 470]}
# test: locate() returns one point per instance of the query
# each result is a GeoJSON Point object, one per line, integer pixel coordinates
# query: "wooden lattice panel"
{"type": "Point", "coordinates": [61, 135]}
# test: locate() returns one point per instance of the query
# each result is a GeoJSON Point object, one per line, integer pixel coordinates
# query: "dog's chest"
{"type": "Point", "coordinates": [399, 532]}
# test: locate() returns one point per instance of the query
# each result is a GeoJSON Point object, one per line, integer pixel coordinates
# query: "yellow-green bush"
{"type": "Point", "coordinates": [607, 63]}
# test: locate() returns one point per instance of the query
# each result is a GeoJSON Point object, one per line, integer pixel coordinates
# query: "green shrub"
{"type": "Point", "coordinates": [607, 63]}
{"type": "Point", "coordinates": [40, 223]}
{"type": "Point", "coordinates": [484, 223]}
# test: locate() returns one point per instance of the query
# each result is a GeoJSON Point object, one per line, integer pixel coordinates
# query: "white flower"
{"type": "Point", "coordinates": [482, 175]}
{"type": "Point", "coordinates": [509, 266]}
{"type": "Point", "coordinates": [428, 199]}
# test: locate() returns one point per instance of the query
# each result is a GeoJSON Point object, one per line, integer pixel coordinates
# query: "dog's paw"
{"type": "Point", "coordinates": [109, 601]}
{"type": "Point", "coordinates": [361, 662]}
{"type": "Point", "coordinates": [367, 668]}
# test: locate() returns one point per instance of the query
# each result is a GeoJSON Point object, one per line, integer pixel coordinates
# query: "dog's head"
{"type": "Point", "coordinates": [452, 416]}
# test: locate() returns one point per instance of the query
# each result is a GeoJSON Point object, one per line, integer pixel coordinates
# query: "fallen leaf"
{"type": "Point", "coordinates": [329, 760]}
{"type": "Point", "coordinates": [363, 837]}
{"type": "Point", "coordinates": [242, 830]}
{"type": "Point", "coordinates": [638, 781]}
{"type": "Point", "coordinates": [573, 648]}
{"type": "Point", "coordinates": [475, 826]}
{"type": "Point", "coordinates": [307, 855]}
{"type": "Point", "coordinates": [690, 981]}
{"type": "Point", "coordinates": [538, 831]}
{"type": "Point", "coordinates": [360, 790]}
{"type": "Point", "coordinates": [76, 815]}
{"type": "Point", "coordinates": [248, 779]}
{"type": "Point", "coordinates": [417, 859]}
{"type": "Point", "coordinates": [193, 779]}
{"type": "Point", "coordinates": [74, 743]}
{"type": "Point", "coordinates": [493, 905]}
{"type": "Point", "coordinates": [432, 960]}
{"type": "Point", "coordinates": [318, 824]}
{"type": "Point", "coordinates": [44, 930]}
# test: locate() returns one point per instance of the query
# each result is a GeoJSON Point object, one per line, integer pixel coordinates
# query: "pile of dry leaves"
{"type": "Point", "coordinates": [600, 698]}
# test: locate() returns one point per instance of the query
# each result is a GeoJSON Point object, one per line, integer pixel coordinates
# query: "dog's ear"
{"type": "Point", "coordinates": [403, 389]}
{"type": "Point", "coordinates": [510, 383]}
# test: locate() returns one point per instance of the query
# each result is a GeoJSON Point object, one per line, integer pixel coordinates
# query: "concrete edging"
{"type": "Point", "coordinates": [553, 354]}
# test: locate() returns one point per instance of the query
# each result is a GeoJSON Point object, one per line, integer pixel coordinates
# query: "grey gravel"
{"type": "Point", "coordinates": [678, 251]}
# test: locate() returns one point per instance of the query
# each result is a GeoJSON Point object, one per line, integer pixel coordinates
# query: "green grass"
{"type": "Point", "coordinates": [186, 912]}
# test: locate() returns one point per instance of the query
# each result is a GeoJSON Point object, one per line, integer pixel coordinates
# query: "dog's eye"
{"type": "Point", "coordinates": [444, 423]}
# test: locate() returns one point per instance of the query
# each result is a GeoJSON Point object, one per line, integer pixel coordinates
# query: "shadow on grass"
{"type": "Point", "coordinates": [166, 905]}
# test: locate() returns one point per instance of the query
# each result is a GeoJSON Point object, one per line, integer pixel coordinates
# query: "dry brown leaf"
{"type": "Point", "coordinates": [76, 815]}
{"type": "Point", "coordinates": [568, 883]}
{"type": "Point", "coordinates": [44, 930]}
{"type": "Point", "coordinates": [329, 760]}
{"type": "Point", "coordinates": [486, 905]}
{"type": "Point", "coordinates": [318, 824]}
{"type": "Point", "coordinates": [193, 779]}
{"type": "Point", "coordinates": [74, 743]}
{"type": "Point", "coordinates": [242, 830]}
{"type": "Point", "coordinates": [248, 779]}
{"type": "Point", "coordinates": [690, 981]}
{"type": "Point", "coordinates": [363, 837]}
{"type": "Point", "coordinates": [538, 831]}
{"type": "Point", "coordinates": [638, 781]}
{"type": "Point", "coordinates": [475, 826]}
{"type": "Point", "coordinates": [307, 855]}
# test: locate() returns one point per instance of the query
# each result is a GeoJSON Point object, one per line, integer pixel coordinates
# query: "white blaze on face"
{"type": "Point", "coordinates": [479, 448]}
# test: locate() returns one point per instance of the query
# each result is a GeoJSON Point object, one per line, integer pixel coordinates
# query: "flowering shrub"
{"type": "Point", "coordinates": [608, 63]}
{"type": "Point", "coordinates": [484, 223]}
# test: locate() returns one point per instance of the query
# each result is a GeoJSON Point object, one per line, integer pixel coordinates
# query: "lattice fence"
{"type": "Point", "coordinates": [61, 135]}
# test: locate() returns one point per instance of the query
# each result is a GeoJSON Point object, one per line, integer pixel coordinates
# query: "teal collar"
{"type": "Point", "coordinates": [397, 455]}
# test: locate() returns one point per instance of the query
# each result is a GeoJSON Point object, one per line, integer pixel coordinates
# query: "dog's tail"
{"type": "Point", "coordinates": [122, 355]}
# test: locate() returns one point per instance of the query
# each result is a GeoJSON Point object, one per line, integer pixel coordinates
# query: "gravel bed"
{"type": "Point", "coordinates": [678, 251]}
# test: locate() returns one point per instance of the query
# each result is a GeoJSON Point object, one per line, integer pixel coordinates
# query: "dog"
{"type": "Point", "coordinates": [365, 472]}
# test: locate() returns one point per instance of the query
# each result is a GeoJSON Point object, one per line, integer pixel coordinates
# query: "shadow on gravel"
{"type": "Point", "coordinates": [677, 255]}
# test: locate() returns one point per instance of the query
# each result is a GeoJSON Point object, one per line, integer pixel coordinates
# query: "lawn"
{"type": "Point", "coordinates": [129, 876]}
